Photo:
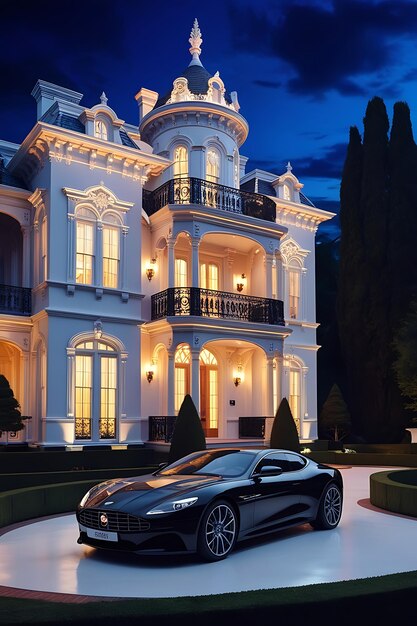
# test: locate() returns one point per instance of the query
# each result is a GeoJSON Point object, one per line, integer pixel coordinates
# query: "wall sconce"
{"type": "Point", "coordinates": [98, 329]}
{"type": "Point", "coordinates": [239, 286]}
{"type": "Point", "coordinates": [237, 380]}
{"type": "Point", "coordinates": [149, 376]}
{"type": "Point", "coordinates": [150, 271]}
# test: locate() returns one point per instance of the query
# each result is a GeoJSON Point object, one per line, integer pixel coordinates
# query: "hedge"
{"type": "Point", "coordinates": [388, 493]}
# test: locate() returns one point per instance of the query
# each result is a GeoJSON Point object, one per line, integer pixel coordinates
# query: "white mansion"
{"type": "Point", "coordinates": [141, 263]}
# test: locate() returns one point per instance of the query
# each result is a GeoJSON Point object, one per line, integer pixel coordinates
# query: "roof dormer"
{"type": "Point", "coordinates": [287, 186]}
{"type": "Point", "coordinates": [102, 122]}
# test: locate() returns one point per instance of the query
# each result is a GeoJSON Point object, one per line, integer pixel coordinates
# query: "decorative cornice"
{"type": "Point", "coordinates": [100, 196]}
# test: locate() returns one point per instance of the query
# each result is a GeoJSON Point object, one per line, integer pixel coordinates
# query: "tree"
{"type": "Point", "coordinates": [188, 435]}
{"type": "Point", "coordinates": [405, 364]}
{"type": "Point", "coordinates": [334, 420]}
{"type": "Point", "coordinates": [11, 419]}
{"type": "Point", "coordinates": [284, 432]}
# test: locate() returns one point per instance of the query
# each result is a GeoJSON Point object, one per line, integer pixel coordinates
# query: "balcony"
{"type": "Point", "coordinates": [209, 303]}
{"type": "Point", "coordinates": [15, 300]}
{"type": "Point", "coordinates": [203, 192]}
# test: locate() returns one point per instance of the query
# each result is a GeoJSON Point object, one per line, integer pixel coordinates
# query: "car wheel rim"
{"type": "Point", "coordinates": [332, 506]}
{"type": "Point", "coordinates": [220, 530]}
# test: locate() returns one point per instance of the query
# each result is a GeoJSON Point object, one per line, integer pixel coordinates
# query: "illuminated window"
{"type": "Point", "coordinates": [181, 273]}
{"type": "Point", "coordinates": [294, 399]}
{"type": "Point", "coordinates": [182, 375]}
{"type": "Point", "coordinates": [84, 254]}
{"type": "Point", "coordinates": [294, 292]}
{"type": "Point", "coordinates": [83, 395]}
{"type": "Point", "coordinates": [236, 178]}
{"type": "Point", "coordinates": [110, 256]}
{"type": "Point", "coordinates": [286, 192]}
{"type": "Point", "coordinates": [181, 162]}
{"type": "Point", "coordinates": [96, 365]}
{"type": "Point", "coordinates": [213, 166]}
{"type": "Point", "coordinates": [209, 390]}
{"type": "Point", "coordinates": [100, 129]}
{"type": "Point", "coordinates": [209, 276]}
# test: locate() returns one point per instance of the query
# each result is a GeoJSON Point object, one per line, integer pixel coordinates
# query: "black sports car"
{"type": "Point", "coordinates": [209, 500]}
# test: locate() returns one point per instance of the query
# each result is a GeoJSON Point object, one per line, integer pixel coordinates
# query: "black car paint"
{"type": "Point", "coordinates": [263, 504]}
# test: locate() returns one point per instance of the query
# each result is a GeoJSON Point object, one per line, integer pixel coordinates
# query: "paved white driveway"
{"type": "Point", "coordinates": [45, 556]}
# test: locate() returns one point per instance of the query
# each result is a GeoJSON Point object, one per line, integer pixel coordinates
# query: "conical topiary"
{"type": "Point", "coordinates": [10, 416]}
{"type": "Point", "coordinates": [188, 435]}
{"type": "Point", "coordinates": [334, 419]}
{"type": "Point", "coordinates": [284, 432]}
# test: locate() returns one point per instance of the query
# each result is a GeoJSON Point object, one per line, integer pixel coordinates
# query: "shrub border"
{"type": "Point", "coordinates": [386, 493]}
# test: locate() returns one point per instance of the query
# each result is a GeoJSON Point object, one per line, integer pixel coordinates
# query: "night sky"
{"type": "Point", "coordinates": [304, 70]}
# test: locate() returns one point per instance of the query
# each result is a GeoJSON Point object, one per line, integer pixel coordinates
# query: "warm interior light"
{"type": "Point", "coordinates": [150, 269]}
{"type": "Point", "coordinates": [240, 285]}
{"type": "Point", "coordinates": [237, 380]}
{"type": "Point", "coordinates": [149, 376]}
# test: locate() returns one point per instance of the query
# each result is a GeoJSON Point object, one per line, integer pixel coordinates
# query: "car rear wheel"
{"type": "Point", "coordinates": [218, 531]}
{"type": "Point", "coordinates": [330, 508]}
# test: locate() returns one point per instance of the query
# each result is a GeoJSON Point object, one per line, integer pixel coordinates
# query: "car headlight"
{"type": "Point", "coordinates": [85, 497]}
{"type": "Point", "coordinates": [170, 506]}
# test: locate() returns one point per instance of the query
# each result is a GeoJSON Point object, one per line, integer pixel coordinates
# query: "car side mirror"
{"type": "Point", "coordinates": [269, 470]}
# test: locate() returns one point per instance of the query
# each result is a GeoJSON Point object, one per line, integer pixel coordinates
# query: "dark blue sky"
{"type": "Point", "coordinates": [304, 70]}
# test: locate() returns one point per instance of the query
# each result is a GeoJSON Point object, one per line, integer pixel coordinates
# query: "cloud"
{"type": "Point", "coordinates": [272, 84]}
{"type": "Point", "coordinates": [328, 46]}
{"type": "Point", "coordinates": [328, 165]}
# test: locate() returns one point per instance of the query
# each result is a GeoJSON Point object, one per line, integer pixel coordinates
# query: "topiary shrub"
{"type": "Point", "coordinates": [188, 435]}
{"type": "Point", "coordinates": [284, 432]}
{"type": "Point", "coordinates": [334, 419]}
{"type": "Point", "coordinates": [11, 419]}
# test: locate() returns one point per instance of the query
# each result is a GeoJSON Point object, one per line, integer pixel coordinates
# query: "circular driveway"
{"type": "Point", "coordinates": [44, 556]}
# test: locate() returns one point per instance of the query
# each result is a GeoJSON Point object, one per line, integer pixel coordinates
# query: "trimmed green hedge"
{"type": "Point", "coordinates": [20, 481]}
{"type": "Point", "coordinates": [398, 497]}
{"type": "Point", "coordinates": [362, 458]}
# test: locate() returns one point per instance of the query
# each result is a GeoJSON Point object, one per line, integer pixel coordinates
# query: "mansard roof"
{"type": "Point", "coordinates": [6, 178]}
{"type": "Point", "coordinates": [198, 78]}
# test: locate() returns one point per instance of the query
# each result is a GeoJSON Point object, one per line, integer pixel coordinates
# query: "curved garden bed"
{"type": "Point", "coordinates": [395, 491]}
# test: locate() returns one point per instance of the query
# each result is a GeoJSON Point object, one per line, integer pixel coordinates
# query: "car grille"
{"type": "Point", "coordinates": [118, 522]}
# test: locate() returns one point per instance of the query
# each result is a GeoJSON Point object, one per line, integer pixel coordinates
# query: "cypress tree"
{"type": "Point", "coordinates": [334, 420]}
{"type": "Point", "coordinates": [10, 417]}
{"type": "Point", "coordinates": [284, 432]}
{"type": "Point", "coordinates": [188, 435]}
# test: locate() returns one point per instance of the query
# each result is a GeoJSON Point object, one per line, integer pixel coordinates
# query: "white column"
{"type": "Point", "coordinates": [303, 294]}
{"type": "Point", "coordinates": [171, 266]}
{"type": "Point", "coordinates": [269, 409]}
{"type": "Point", "coordinates": [268, 275]}
{"type": "Point", "coordinates": [196, 164]}
{"type": "Point", "coordinates": [278, 276]}
{"type": "Point", "coordinates": [26, 257]}
{"type": "Point", "coordinates": [195, 378]}
{"type": "Point", "coordinates": [171, 383]}
{"type": "Point", "coordinates": [195, 278]}
{"type": "Point", "coordinates": [71, 249]}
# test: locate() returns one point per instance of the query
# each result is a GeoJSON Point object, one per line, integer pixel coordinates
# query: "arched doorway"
{"type": "Point", "coordinates": [11, 251]}
{"type": "Point", "coordinates": [10, 368]}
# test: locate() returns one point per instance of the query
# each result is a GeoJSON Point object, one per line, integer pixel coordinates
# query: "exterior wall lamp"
{"type": "Point", "coordinates": [150, 271]}
{"type": "Point", "coordinates": [237, 380]}
{"type": "Point", "coordinates": [239, 286]}
{"type": "Point", "coordinates": [149, 376]}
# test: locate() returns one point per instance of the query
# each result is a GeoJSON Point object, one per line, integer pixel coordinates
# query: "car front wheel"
{"type": "Point", "coordinates": [218, 531]}
{"type": "Point", "coordinates": [330, 508]}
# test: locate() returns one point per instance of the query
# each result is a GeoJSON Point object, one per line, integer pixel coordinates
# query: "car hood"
{"type": "Point", "coordinates": [130, 494]}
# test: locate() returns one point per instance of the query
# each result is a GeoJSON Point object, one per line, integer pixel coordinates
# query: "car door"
{"type": "Point", "coordinates": [276, 497]}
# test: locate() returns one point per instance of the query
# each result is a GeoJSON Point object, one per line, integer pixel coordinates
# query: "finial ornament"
{"type": "Point", "coordinates": [103, 98]}
{"type": "Point", "coordinates": [195, 41]}
{"type": "Point", "coordinates": [289, 167]}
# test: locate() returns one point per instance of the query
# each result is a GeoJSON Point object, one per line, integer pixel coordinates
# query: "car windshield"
{"type": "Point", "coordinates": [227, 463]}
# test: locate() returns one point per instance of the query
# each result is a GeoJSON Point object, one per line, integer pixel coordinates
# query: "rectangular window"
{"type": "Point", "coordinates": [209, 276]}
{"type": "Point", "coordinates": [85, 258]}
{"type": "Point", "coordinates": [83, 396]}
{"type": "Point", "coordinates": [181, 278]}
{"type": "Point", "coordinates": [43, 275]}
{"type": "Point", "coordinates": [181, 385]}
{"type": "Point", "coordinates": [110, 257]}
{"type": "Point", "coordinates": [295, 397]}
{"type": "Point", "coordinates": [294, 293]}
{"type": "Point", "coordinates": [108, 397]}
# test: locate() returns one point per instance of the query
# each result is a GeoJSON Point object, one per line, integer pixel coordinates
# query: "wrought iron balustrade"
{"type": "Point", "coordinates": [15, 300]}
{"type": "Point", "coordinates": [217, 304]}
{"type": "Point", "coordinates": [206, 193]}
{"type": "Point", "coordinates": [252, 427]}
{"type": "Point", "coordinates": [161, 427]}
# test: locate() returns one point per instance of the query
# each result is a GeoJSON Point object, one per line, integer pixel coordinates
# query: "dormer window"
{"type": "Point", "coordinates": [286, 192]}
{"type": "Point", "coordinates": [101, 130]}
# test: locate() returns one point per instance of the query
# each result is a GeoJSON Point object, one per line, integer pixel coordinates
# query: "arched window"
{"type": "Point", "coordinates": [181, 273]}
{"type": "Point", "coordinates": [213, 165]}
{"type": "Point", "coordinates": [286, 191]}
{"type": "Point", "coordinates": [182, 375]}
{"type": "Point", "coordinates": [95, 390]}
{"type": "Point", "coordinates": [85, 243]}
{"type": "Point", "coordinates": [181, 162]}
{"type": "Point", "coordinates": [209, 394]}
{"type": "Point", "coordinates": [100, 129]}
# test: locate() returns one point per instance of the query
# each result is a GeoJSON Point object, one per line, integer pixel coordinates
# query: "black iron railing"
{"type": "Point", "coordinates": [15, 300]}
{"type": "Point", "coordinates": [252, 427]}
{"type": "Point", "coordinates": [217, 304]}
{"type": "Point", "coordinates": [204, 192]}
{"type": "Point", "coordinates": [161, 427]}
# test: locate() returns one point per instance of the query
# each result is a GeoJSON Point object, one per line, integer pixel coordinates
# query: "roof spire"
{"type": "Point", "coordinates": [195, 41]}
{"type": "Point", "coordinates": [289, 167]}
{"type": "Point", "coordinates": [103, 98]}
